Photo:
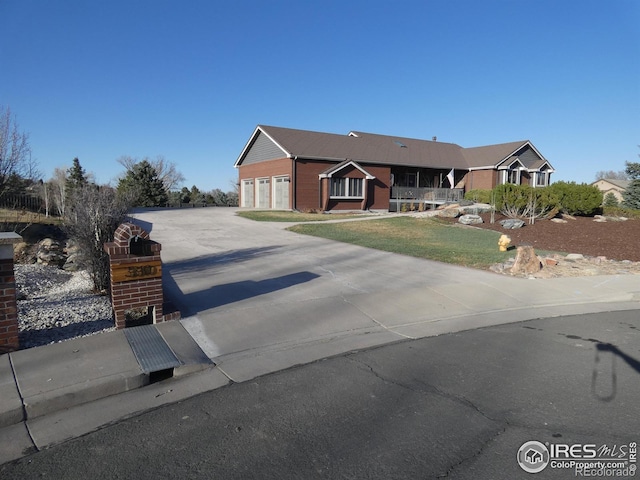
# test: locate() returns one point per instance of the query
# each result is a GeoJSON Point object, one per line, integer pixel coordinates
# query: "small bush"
{"type": "Point", "coordinates": [478, 196]}
{"type": "Point", "coordinates": [577, 199]}
{"type": "Point", "coordinates": [621, 212]}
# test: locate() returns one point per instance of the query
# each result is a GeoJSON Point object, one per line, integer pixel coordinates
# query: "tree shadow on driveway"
{"type": "Point", "coordinates": [216, 296]}
{"type": "Point", "coordinates": [205, 262]}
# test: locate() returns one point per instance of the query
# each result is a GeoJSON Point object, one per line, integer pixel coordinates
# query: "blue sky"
{"type": "Point", "coordinates": [191, 79]}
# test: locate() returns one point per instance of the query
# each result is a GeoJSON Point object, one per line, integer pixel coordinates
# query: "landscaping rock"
{"type": "Point", "coordinates": [512, 223]}
{"type": "Point", "coordinates": [573, 257]}
{"type": "Point", "coordinates": [559, 220]}
{"type": "Point", "coordinates": [73, 263]}
{"type": "Point", "coordinates": [476, 208]}
{"type": "Point", "coordinates": [527, 262]}
{"type": "Point", "coordinates": [469, 219]}
{"type": "Point", "coordinates": [449, 212]}
{"type": "Point", "coordinates": [49, 252]}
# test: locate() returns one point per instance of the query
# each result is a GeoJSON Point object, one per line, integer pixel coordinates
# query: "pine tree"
{"type": "Point", "coordinates": [143, 182]}
{"type": "Point", "coordinates": [632, 193]}
{"type": "Point", "coordinates": [76, 179]}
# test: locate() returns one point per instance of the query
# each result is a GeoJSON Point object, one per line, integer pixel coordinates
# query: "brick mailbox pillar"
{"type": "Point", "coordinates": [8, 305]}
{"type": "Point", "coordinates": [136, 277]}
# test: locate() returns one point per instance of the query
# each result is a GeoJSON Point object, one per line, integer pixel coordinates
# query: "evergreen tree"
{"type": "Point", "coordinates": [185, 195]}
{"type": "Point", "coordinates": [76, 180]}
{"type": "Point", "coordinates": [632, 193]}
{"type": "Point", "coordinates": [610, 200]}
{"type": "Point", "coordinates": [144, 185]}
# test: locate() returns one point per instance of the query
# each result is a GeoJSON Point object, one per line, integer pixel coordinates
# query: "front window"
{"type": "Point", "coordinates": [511, 176]}
{"type": "Point", "coordinates": [541, 179]}
{"type": "Point", "coordinates": [347, 187]}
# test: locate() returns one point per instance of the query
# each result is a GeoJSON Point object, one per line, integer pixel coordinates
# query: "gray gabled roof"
{"type": "Point", "coordinates": [387, 149]}
{"type": "Point", "coordinates": [624, 184]}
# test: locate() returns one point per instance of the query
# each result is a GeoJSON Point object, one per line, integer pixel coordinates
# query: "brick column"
{"type": "Point", "coordinates": [8, 305]}
{"type": "Point", "coordinates": [136, 278]}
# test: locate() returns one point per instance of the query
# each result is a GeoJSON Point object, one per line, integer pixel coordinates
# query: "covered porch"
{"type": "Point", "coordinates": [413, 186]}
{"type": "Point", "coordinates": [428, 197]}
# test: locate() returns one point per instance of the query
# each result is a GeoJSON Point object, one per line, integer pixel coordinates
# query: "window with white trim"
{"type": "Point", "coordinates": [347, 187]}
{"type": "Point", "coordinates": [512, 175]}
{"type": "Point", "coordinates": [541, 179]}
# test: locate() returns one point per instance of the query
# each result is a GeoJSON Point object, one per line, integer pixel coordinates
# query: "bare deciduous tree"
{"type": "Point", "coordinates": [166, 170]}
{"type": "Point", "coordinates": [59, 189]}
{"type": "Point", "coordinates": [91, 222]}
{"type": "Point", "coordinates": [611, 175]}
{"type": "Point", "coordinates": [15, 152]}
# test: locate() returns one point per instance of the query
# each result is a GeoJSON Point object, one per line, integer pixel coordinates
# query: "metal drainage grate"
{"type": "Point", "coordinates": [151, 351]}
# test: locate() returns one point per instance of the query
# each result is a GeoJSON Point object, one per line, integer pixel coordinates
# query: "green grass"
{"type": "Point", "coordinates": [417, 237]}
{"type": "Point", "coordinates": [287, 216]}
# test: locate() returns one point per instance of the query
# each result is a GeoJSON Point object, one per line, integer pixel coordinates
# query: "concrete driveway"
{"type": "Point", "coordinates": [258, 298]}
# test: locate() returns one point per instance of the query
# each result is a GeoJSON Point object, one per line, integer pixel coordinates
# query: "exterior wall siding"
{"type": "Point", "coordinates": [308, 186]}
{"type": "Point", "coordinates": [528, 157]}
{"type": "Point", "coordinates": [480, 180]}
{"type": "Point", "coordinates": [308, 183]}
{"type": "Point", "coordinates": [262, 149]}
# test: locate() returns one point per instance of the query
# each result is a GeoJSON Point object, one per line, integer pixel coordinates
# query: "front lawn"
{"type": "Point", "coordinates": [419, 237]}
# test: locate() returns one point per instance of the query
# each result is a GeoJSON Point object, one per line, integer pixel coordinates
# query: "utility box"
{"type": "Point", "coordinates": [136, 277]}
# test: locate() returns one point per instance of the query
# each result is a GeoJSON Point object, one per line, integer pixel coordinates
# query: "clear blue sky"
{"type": "Point", "coordinates": [191, 79]}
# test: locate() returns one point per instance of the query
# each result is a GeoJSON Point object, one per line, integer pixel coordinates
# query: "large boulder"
{"type": "Point", "coordinates": [470, 219]}
{"type": "Point", "coordinates": [449, 212]}
{"type": "Point", "coordinates": [527, 262]}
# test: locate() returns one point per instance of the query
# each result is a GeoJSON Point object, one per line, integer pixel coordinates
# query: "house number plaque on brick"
{"type": "Point", "coordinates": [137, 271]}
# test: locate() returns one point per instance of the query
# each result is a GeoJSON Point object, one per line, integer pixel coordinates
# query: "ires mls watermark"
{"type": "Point", "coordinates": [584, 460]}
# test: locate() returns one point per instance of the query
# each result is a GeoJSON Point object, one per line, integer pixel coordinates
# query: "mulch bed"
{"type": "Point", "coordinates": [616, 240]}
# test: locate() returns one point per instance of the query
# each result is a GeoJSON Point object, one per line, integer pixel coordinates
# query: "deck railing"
{"type": "Point", "coordinates": [427, 195]}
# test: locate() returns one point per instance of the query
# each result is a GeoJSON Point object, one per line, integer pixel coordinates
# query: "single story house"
{"type": "Point", "coordinates": [283, 168]}
{"type": "Point", "coordinates": [613, 185]}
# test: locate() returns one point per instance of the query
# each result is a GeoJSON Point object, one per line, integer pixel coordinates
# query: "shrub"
{"type": "Point", "coordinates": [524, 201]}
{"type": "Point", "coordinates": [95, 214]}
{"type": "Point", "coordinates": [478, 196]}
{"type": "Point", "coordinates": [577, 199]}
{"type": "Point", "coordinates": [621, 212]}
{"type": "Point", "coordinates": [610, 200]}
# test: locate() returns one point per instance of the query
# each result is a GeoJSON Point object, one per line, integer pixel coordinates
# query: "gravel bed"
{"type": "Point", "coordinates": [55, 305]}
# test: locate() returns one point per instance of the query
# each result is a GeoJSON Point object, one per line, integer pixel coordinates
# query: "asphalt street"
{"type": "Point", "coordinates": [455, 406]}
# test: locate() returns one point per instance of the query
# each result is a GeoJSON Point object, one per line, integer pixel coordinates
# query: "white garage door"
{"type": "Point", "coordinates": [263, 193]}
{"type": "Point", "coordinates": [281, 193]}
{"type": "Point", "coordinates": [247, 193]}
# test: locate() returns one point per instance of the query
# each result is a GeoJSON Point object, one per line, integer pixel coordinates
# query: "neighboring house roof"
{"type": "Point", "coordinates": [391, 150]}
{"type": "Point", "coordinates": [623, 184]}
